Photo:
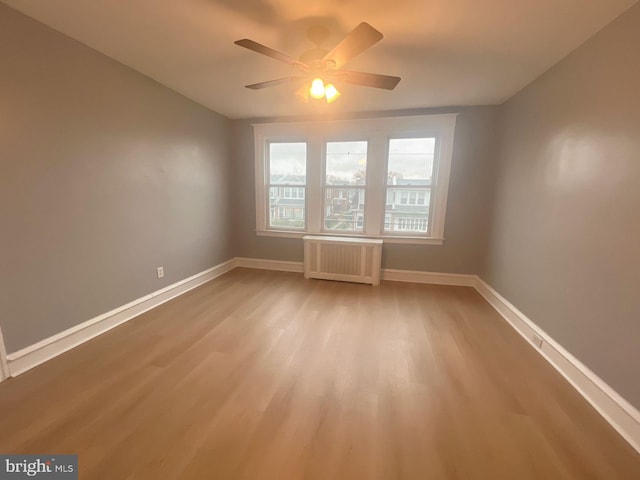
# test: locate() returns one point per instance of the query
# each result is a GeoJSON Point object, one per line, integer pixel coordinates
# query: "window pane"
{"type": "Point", "coordinates": [407, 210]}
{"type": "Point", "coordinates": [346, 163]}
{"type": "Point", "coordinates": [288, 163]}
{"type": "Point", "coordinates": [344, 209]}
{"type": "Point", "coordinates": [410, 161]}
{"type": "Point", "coordinates": [286, 207]}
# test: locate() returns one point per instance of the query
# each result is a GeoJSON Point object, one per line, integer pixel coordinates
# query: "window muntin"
{"type": "Point", "coordinates": [410, 166]}
{"type": "Point", "coordinates": [287, 173]}
{"type": "Point", "coordinates": [345, 179]}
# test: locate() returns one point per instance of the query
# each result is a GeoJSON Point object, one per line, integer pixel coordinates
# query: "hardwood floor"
{"type": "Point", "coordinates": [264, 375]}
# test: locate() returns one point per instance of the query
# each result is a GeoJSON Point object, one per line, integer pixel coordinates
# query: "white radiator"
{"type": "Point", "coordinates": [342, 258]}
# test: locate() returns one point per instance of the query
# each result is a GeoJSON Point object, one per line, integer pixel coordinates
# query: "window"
{"type": "Point", "coordinates": [345, 184]}
{"type": "Point", "coordinates": [409, 178]}
{"type": "Point", "coordinates": [287, 166]}
{"type": "Point", "coordinates": [381, 177]}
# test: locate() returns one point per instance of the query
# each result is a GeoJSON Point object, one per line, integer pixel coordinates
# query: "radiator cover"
{"type": "Point", "coordinates": [347, 259]}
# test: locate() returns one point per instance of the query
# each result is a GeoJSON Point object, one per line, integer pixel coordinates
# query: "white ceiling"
{"type": "Point", "coordinates": [448, 52]}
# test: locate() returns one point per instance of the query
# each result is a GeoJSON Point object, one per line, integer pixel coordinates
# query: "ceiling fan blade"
{"type": "Point", "coordinates": [270, 52]}
{"type": "Point", "coordinates": [373, 80]}
{"type": "Point", "coordinates": [361, 38]}
{"type": "Point", "coordinates": [273, 83]}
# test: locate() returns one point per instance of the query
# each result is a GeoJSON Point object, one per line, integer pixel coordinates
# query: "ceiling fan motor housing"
{"type": "Point", "coordinates": [314, 56]}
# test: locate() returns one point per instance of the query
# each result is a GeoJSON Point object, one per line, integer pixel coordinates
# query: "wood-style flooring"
{"type": "Point", "coordinates": [266, 376]}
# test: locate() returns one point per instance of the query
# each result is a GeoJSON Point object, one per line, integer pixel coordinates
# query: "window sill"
{"type": "Point", "coordinates": [386, 238]}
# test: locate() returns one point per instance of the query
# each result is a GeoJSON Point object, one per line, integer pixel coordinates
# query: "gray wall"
{"type": "Point", "coordinates": [565, 245]}
{"type": "Point", "coordinates": [104, 175]}
{"type": "Point", "coordinates": [470, 192]}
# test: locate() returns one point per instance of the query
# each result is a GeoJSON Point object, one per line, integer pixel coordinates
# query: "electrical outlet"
{"type": "Point", "coordinates": [537, 340]}
{"type": "Point", "coordinates": [160, 272]}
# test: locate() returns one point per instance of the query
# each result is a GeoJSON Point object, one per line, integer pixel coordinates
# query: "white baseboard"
{"type": "Point", "coordinates": [262, 264]}
{"type": "Point", "coordinates": [33, 355]}
{"type": "Point", "coordinates": [4, 365]}
{"type": "Point", "coordinates": [411, 276]}
{"type": "Point", "coordinates": [620, 414]}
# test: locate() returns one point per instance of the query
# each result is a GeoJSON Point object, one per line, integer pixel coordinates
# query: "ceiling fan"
{"type": "Point", "coordinates": [319, 68]}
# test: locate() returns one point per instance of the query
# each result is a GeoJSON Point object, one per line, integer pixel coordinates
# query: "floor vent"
{"type": "Point", "coordinates": [345, 259]}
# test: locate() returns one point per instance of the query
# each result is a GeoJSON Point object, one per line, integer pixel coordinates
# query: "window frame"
{"type": "Point", "coordinates": [325, 186]}
{"type": "Point", "coordinates": [409, 188]}
{"type": "Point", "coordinates": [377, 132]}
{"type": "Point", "coordinates": [268, 186]}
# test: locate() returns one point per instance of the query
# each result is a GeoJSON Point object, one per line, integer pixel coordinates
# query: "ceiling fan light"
{"type": "Point", "coordinates": [317, 89]}
{"type": "Point", "coordinates": [331, 93]}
